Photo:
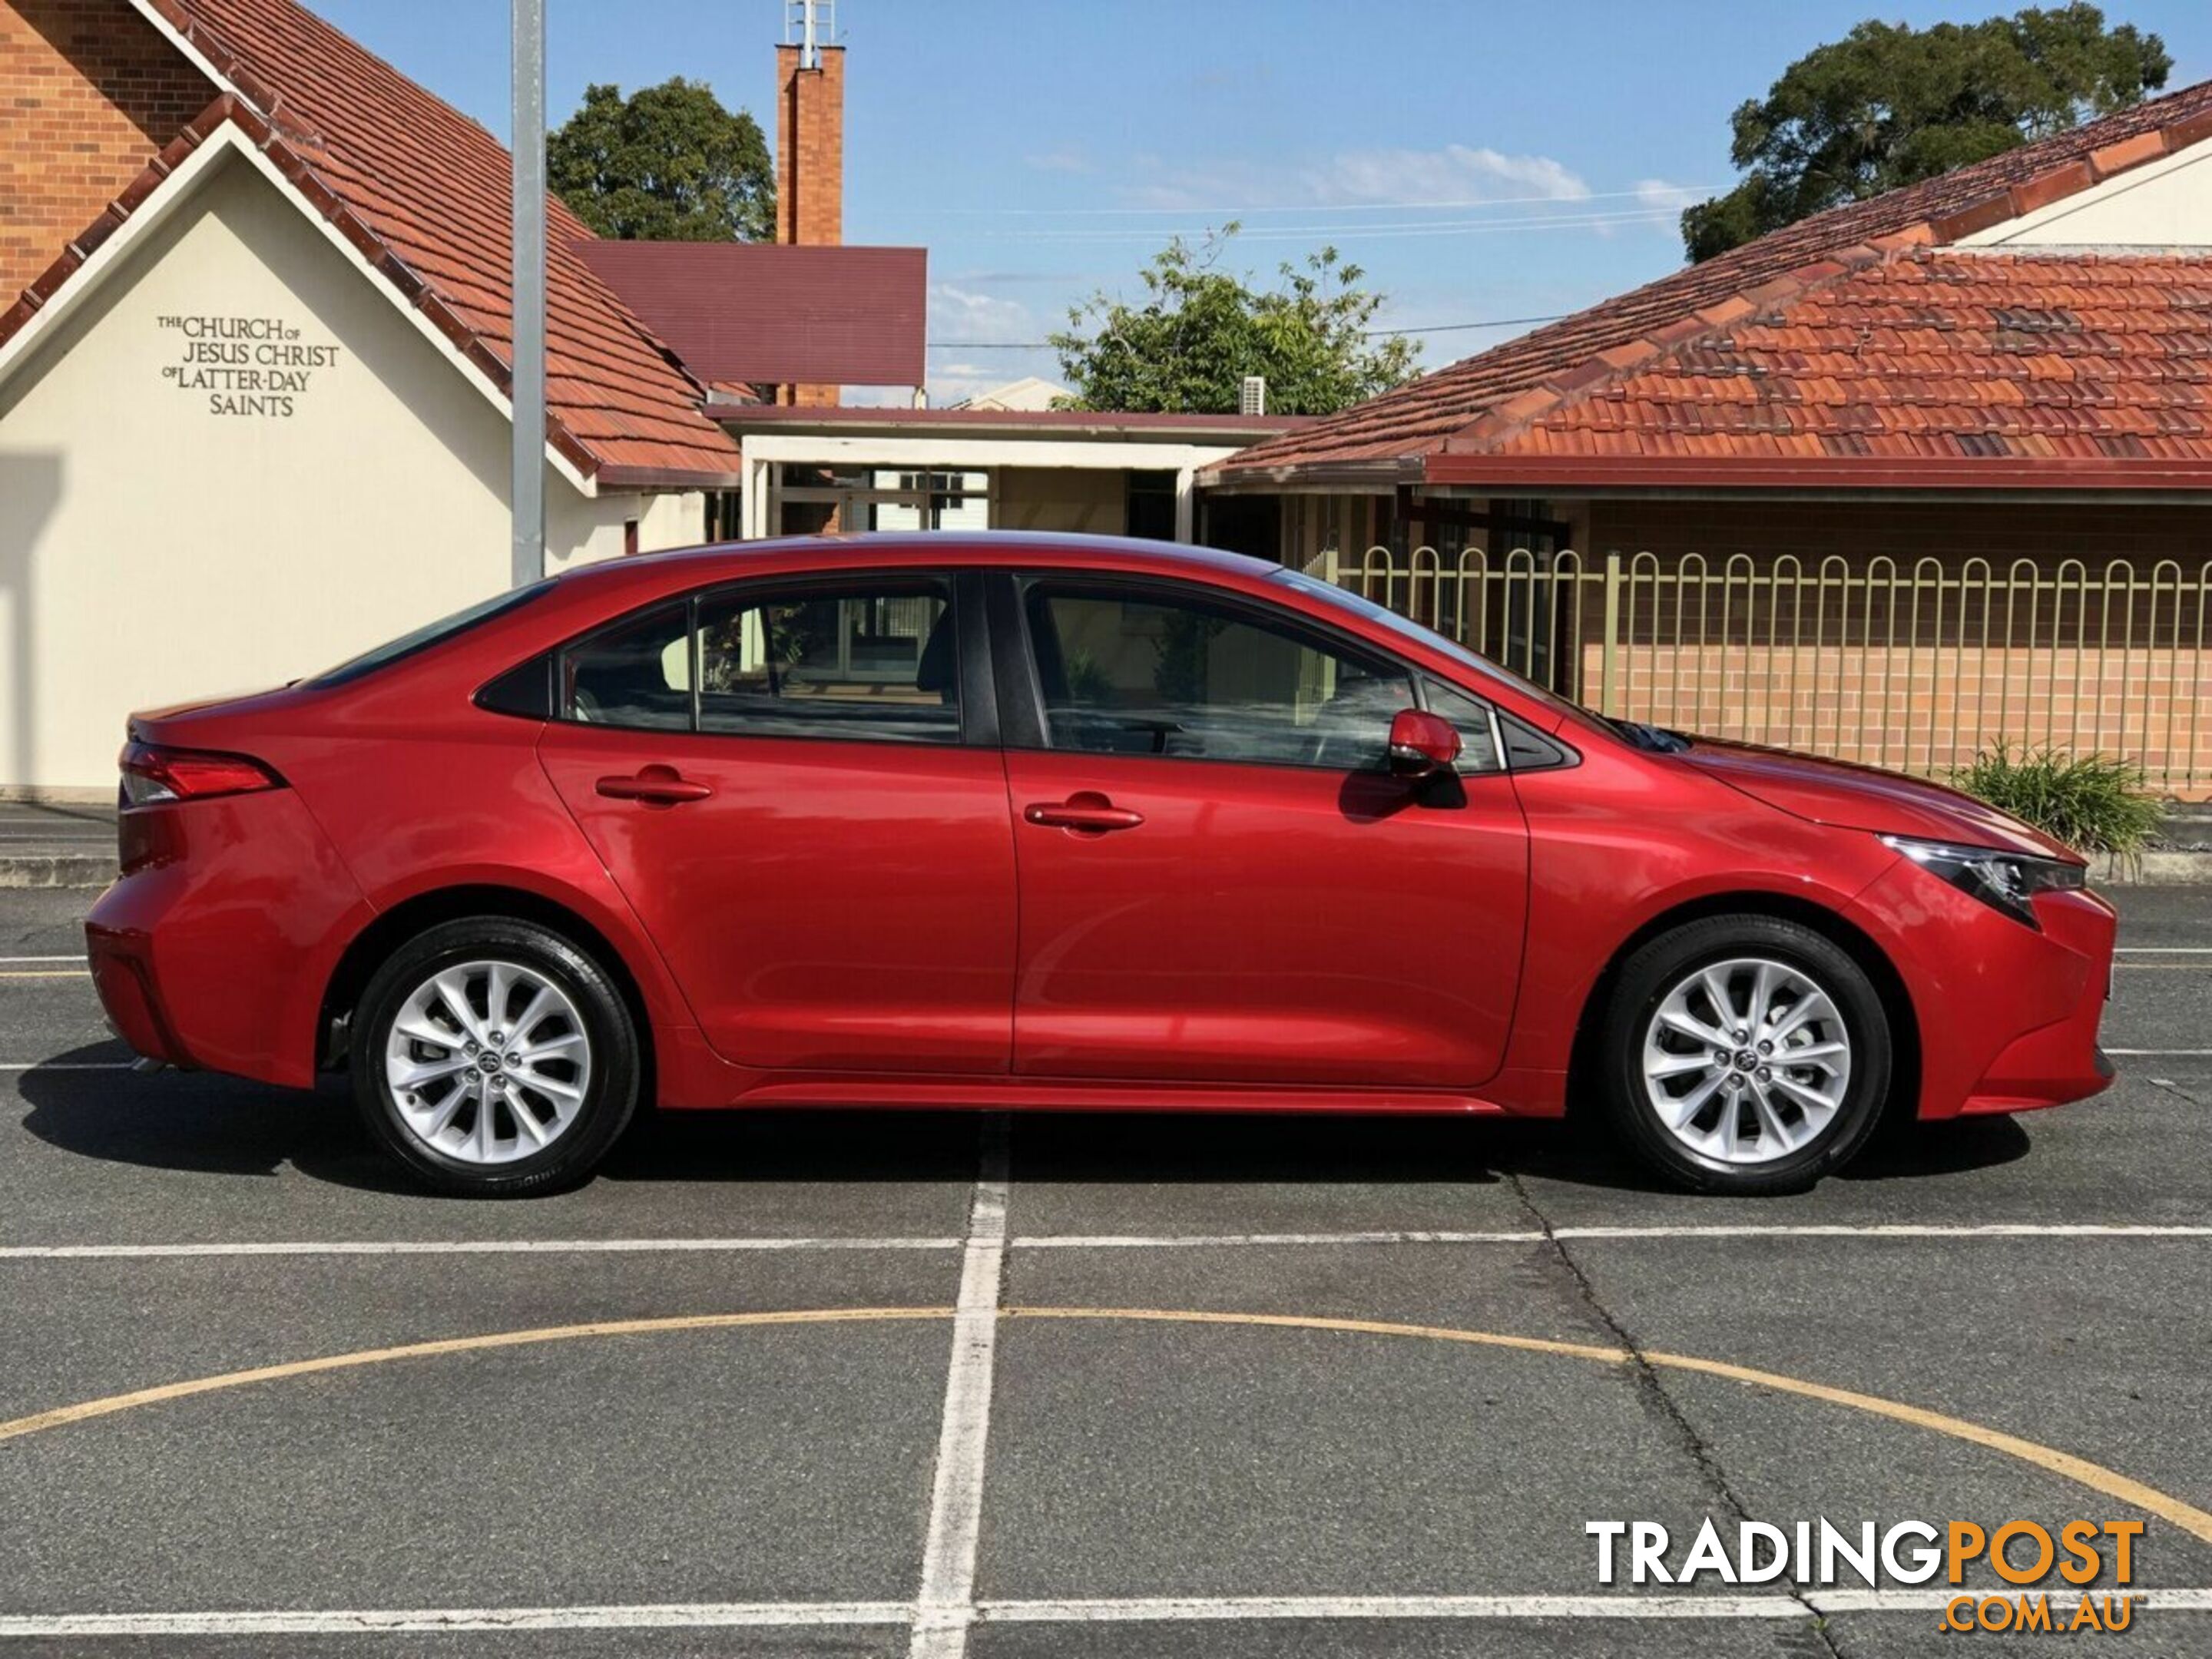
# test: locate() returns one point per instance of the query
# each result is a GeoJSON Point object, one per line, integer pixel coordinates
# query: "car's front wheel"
{"type": "Point", "coordinates": [494, 1058]}
{"type": "Point", "coordinates": [1745, 1054]}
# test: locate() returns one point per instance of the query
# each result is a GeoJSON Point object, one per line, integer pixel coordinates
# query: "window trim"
{"type": "Point", "coordinates": [978, 708]}
{"type": "Point", "coordinates": [1025, 724]}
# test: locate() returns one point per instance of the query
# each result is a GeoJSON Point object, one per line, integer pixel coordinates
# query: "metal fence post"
{"type": "Point", "coordinates": [1612, 639]}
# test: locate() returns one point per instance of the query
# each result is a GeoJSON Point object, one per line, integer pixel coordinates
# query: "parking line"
{"type": "Point", "coordinates": [947, 1604]}
{"type": "Point", "coordinates": [2161, 1053]}
{"type": "Point", "coordinates": [289, 1622]}
{"type": "Point", "coordinates": [45, 973]}
{"type": "Point", "coordinates": [2013, 1230]}
{"type": "Point", "coordinates": [68, 1066]}
{"type": "Point", "coordinates": [707, 1616]}
{"type": "Point", "coordinates": [2162, 949]}
{"type": "Point", "coordinates": [19, 961]}
{"type": "Point", "coordinates": [86, 1410]}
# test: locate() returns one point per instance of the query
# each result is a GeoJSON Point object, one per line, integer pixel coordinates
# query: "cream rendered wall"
{"type": "Point", "coordinates": [2161, 204]}
{"type": "Point", "coordinates": [152, 551]}
{"type": "Point", "coordinates": [1090, 501]}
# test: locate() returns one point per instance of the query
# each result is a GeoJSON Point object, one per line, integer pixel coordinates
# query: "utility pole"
{"type": "Point", "coordinates": [526, 481]}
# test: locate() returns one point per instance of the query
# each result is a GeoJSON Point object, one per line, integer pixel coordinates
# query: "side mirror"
{"type": "Point", "coordinates": [1421, 742]}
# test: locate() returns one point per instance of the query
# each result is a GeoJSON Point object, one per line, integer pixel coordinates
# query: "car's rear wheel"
{"type": "Point", "coordinates": [1745, 1054]}
{"type": "Point", "coordinates": [494, 1058]}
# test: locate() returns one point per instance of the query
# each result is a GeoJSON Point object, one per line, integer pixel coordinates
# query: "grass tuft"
{"type": "Point", "coordinates": [2093, 803]}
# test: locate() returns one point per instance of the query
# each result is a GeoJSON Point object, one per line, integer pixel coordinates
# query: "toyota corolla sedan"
{"type": "Point", "coordinates": [1057, 823]}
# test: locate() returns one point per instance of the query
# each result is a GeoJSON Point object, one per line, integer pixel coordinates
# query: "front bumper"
{"type": "Point", "coordinates": [2007, 1015]}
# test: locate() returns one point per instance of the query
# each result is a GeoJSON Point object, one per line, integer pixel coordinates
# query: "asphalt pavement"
{"type": "Point", "coordinates": [916, 1384]}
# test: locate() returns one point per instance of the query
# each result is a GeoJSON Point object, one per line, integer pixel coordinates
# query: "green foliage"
{"type": "Point", "coordinates": [1889, 105]}
{"type": "Point", "coordinates": [667, 163]}
{"type": "Point", "coordinates": [1201, 330]}
{"type": "Point", "coordinates": [2092, 803]}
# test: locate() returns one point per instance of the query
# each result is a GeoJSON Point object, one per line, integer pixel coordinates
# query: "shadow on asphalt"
{"type": "Point", "coordinates": [210, 1125]}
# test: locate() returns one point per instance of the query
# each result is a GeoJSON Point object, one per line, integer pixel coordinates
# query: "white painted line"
{"type": "Point", "coordinates": [2162, 1053]}
{"type": "Point", "coordinates": [464, 1247]}
{"type": "Point", "coordinates": [1807, 1229]}
{"type": "Point", "coordinates": [286, 1622]}
{"type": "Point", "coordinates": [1079, 1242]}
{"type": "Point", "coordinates": [702, 1616]}
{"type": "Point", "coordinates": [2162, 949]}
{"type": "Point", "coordinates": [22, 962]}
{"type": "Point", "coordinates": [1615, 1606]}
{"type": "Point", "coordinates": [946, 1605]}
{"type": "Point", "coordinates": [68, 1065]}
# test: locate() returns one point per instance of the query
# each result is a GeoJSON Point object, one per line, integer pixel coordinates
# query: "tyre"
{"type": "Point", "coordinates": [494, 1059]}
{"type": "Point", "coordinates": [1744, 1055]}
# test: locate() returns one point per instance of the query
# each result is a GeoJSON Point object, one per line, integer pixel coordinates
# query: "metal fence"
{"type": "Point", "coordinates": [1915, 666]}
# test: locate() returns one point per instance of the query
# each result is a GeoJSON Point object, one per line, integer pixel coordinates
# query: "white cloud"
{"type": "Point", "coordinates": [1059, 160]}
{"type": "Point", "coordinates": [957, 313]}
{"type": "Point", "coordinates": [969, 313]}
{"type": "Point", "coordinates": [1454, 174]}
{"type": "Point", "coordinates": [1660, 193]}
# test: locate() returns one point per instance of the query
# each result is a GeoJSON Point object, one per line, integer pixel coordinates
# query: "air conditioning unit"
{"type": "Point", "coordinates": [1252, 396]}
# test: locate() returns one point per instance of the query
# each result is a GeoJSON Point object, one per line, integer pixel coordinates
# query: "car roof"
{"type": "Point", "coordinates": [939, 548]}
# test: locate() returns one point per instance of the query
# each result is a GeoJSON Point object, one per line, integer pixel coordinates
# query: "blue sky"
{"type": "Point", "coordinates": [1481, 161]}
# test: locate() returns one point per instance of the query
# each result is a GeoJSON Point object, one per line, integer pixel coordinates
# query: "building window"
{"type": "Point", "coordinates": [814, 498]}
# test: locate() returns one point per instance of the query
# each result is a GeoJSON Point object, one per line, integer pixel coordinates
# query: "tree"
{"type": "Point", "coordinates": [668, 162]}
{"type": "Point", "coordinates": [1201, 330]}
{"type": "Point", "coordinates": [1889, 105]}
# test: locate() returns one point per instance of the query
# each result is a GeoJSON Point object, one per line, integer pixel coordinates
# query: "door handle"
{"type": "Point", "coordinates": [656, 786]}
{"type": "Point", "coordinates": [1087, 810]}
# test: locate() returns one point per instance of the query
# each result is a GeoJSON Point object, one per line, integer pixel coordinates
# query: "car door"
{"type": "Point", "coordinates": [797, 787]}
{"type": "Point", "coordinates": [1221, 880]}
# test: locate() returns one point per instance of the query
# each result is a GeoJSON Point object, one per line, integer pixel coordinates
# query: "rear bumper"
{"type": "Point", "coordinates": [121, 974]}
{"type": "Point", "coordinates": [213, 948]}
{"type": "Point", "coordinates": [2007, 1015]}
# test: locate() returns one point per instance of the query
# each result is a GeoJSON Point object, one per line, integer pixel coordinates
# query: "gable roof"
{"type": "Point", "coordinates": [421, 193]}
{"type": "Point", "coordinates": [1432, 429]}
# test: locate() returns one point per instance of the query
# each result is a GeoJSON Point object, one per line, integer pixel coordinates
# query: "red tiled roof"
{"type": "Point", "coordinates": [2056, 364]}
{"type": "Point", "coordinates": [766, 313]}
{"type": "Point", "coordinates": [424, 193]}
{"type": "Point", "coordinates": [1488, 404]}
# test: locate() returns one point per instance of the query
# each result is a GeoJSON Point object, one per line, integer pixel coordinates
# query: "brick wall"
{"type": "Point", "coordinates": [89, 92]}
{"type": "Point", "coordinates": [810, 170]}
{"type": "Point", "coordinates": [810, 149]}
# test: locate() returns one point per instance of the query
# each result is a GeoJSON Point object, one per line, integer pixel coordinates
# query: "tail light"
{"type": "Point", "coordinates": [153, 774]}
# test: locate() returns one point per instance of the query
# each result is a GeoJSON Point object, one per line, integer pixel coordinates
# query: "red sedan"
{"type": "Point", "coordinates": [1056, 824]}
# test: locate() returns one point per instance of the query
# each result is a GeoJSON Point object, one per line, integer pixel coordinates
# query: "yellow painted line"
{"type": "Point", "coordinates": [2081, 1471]}
{"type": "Point", "coordinates": [86, 1410]}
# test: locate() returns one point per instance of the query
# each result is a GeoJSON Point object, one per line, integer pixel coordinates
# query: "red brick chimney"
{"type": "Point", "coordinates": [810, 165]}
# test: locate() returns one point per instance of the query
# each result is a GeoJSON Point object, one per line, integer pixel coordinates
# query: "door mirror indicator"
{"type": "Point", "coordinates": [1421, 742]}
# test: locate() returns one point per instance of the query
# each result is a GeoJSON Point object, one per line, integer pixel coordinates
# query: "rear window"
{"type": "Point", "coordinates": [430, 634]}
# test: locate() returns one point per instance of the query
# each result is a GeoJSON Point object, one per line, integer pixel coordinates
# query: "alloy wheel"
{"type": "Point", "coordinates": [1746, 1060]}
{"type": "Point", "coordinates": [487, 1062]}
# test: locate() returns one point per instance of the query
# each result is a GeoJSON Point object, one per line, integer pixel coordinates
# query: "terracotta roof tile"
{"type": "Point", "coordinates": [424, 191]}
{"type": "Point", "coordinates": [1790, 307]}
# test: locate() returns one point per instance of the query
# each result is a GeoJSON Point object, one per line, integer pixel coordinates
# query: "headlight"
{"type": "Point", "coordinates": [2003, 881]}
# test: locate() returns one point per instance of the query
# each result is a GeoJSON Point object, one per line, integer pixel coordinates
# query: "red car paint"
{"type": "Point", "coordinates": [859, 923]}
